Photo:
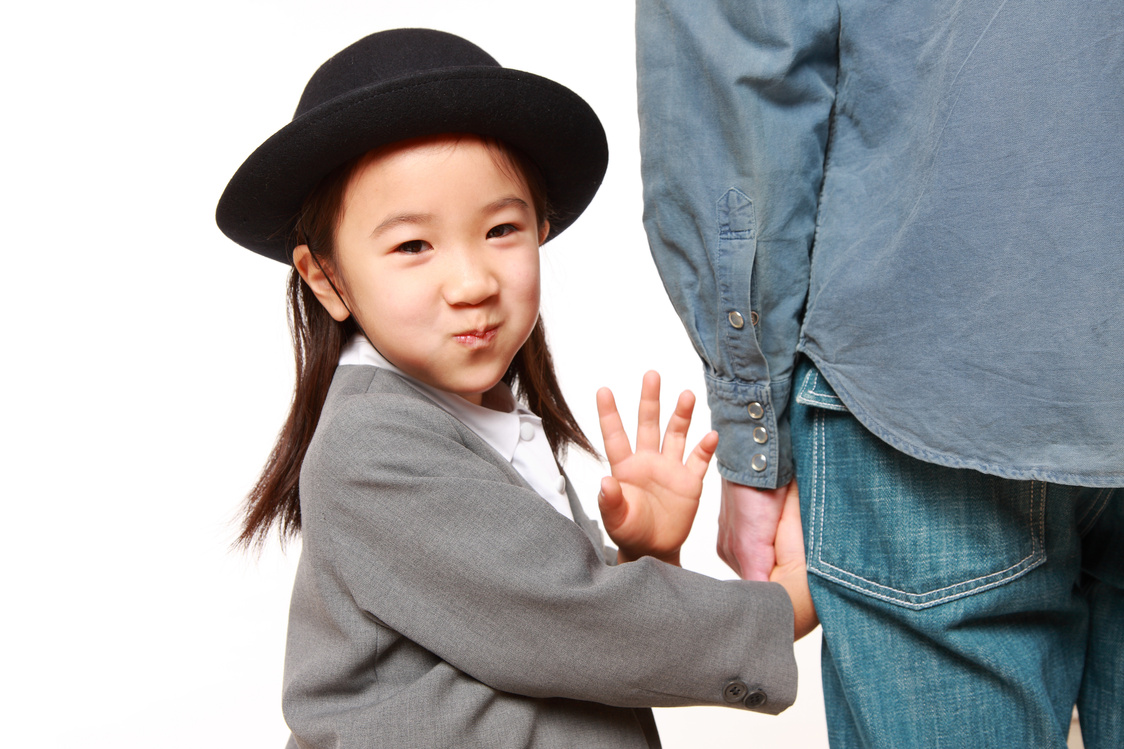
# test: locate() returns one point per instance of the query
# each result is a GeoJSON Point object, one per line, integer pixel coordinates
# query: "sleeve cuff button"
{"type": "Point", "coordinates": [756, 699]}
{"type": "Point", "coordinates": [735, 692]}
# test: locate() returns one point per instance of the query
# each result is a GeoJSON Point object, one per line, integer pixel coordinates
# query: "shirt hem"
{"type": "Point", "coordinates": [952, 460]}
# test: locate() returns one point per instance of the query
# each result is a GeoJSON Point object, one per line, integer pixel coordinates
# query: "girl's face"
{"type": "Point", "coordinates": [437, 254]}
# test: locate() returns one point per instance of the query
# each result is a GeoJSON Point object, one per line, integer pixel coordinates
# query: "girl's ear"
{"type": "Point", "coordinates": [316, 279]}
{"type": "Point", "coordinates": [543, 231]}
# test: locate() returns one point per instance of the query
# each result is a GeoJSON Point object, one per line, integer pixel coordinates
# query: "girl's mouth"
{"type": "Point", "coordinates": [477, 338]}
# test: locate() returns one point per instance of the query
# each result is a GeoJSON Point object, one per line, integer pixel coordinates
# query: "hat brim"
{"type": "Point", "coordinates": [549, 123]}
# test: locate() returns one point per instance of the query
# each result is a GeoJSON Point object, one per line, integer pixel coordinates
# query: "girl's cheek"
{"type": "Point", "coordinates": [530, 293]}
{"type": "Point", "coordinates": [531, 277]}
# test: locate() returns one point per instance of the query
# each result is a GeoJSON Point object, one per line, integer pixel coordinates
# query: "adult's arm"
{"type": "Point", "coordinates": [734, 101]}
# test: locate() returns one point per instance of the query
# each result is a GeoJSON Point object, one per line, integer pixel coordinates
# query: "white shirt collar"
{"type": "Point", "coordinates": [516, 434]}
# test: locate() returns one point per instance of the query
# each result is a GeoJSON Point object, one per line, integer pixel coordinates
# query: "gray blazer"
{"type": "Point", "coordinates": [440, 602]}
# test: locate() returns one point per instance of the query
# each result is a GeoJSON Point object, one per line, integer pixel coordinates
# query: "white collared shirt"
{"type": "Point", "coordinates": [516, 434]}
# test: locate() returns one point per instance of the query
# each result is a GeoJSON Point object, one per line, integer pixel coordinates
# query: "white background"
{"type": "Point", "coordinates": [148, 365]}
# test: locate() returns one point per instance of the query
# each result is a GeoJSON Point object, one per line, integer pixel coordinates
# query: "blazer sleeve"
{"type": "Point", "coordinates": [435, 541]}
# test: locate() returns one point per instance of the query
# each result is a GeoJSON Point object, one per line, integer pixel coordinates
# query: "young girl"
{"type": "Point", "coordinates": [450, 591]}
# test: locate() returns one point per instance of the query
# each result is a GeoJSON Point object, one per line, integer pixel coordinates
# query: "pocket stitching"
{"type": "Point", "coordinates": [809, 395]}
{"type": "Point", "coordinates": [908, 600]}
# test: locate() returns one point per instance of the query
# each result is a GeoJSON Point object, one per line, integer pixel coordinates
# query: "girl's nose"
{"type": "Point", "coordinates": [470, 280]}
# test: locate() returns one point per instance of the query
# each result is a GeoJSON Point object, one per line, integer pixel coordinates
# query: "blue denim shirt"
{"type": "Point", "coordinates": [926, 198]}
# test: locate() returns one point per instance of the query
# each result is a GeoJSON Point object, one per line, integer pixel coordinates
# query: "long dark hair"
{"type": "Point", "coordinates": [318, 340]}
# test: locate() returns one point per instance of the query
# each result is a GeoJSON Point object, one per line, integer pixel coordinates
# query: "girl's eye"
{"type": "Point", "coordinates": [413, 247]}
{"type": "Point", "coordinates": [500, 231]}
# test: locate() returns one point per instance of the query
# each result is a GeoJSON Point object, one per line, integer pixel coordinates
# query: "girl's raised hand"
{"type": "Point", "coordinates": [649, 502]}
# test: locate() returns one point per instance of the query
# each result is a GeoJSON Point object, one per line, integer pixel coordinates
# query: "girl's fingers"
{"type": "Point", "coordinates": [699, 458]}
{"type": "Point", "coordinates": [611, 502]}
{"type": "Point", "coordinates": [617, 447]}
{"type": "Point", "coordinates": [675, 438]}
{"type": "Point", "coordinates": [790, 535]}
{"type": "Point", "coordinates": [648, 416]}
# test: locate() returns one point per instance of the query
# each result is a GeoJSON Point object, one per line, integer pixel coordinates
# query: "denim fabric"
{"type": "Point", "coordinates": [959, 609]}
{"type": "Point", "coordinates": [731, 180]}
{"type": "Point", "coordinates": [925, 197]}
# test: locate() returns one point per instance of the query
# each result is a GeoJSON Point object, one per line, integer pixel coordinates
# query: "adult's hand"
{"type": "Point", "coordinates": [747, 528]}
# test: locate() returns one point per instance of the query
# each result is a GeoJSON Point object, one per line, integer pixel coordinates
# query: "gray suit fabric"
{"type": "Point", "coordinates": [440, 602]}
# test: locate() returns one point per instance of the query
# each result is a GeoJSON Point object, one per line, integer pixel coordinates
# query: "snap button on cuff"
{"type": "Point", "coordinates": [735, 692]}
{"type": "Point", "coordinates": [756, 411]}
{"type": "Point", "coordinates": [756, 698]}
{"type": "Point", "coordinates": [736, 319]}
{"type": "Point", "coordinates": [758, 462]}
{"type": "Point", "coordinates": [761, 435]}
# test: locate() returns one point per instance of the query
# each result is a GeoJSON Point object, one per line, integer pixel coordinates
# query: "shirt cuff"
{"type": "Point", "coordinates": [754, 447]}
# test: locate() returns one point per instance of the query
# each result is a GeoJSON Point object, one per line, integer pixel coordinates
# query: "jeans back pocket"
{"type": "Point", "coordinates": [899, 529]}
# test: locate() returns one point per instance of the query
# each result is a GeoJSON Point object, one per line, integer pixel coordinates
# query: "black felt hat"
{"type": "Point", "coordinates": [408, 83]}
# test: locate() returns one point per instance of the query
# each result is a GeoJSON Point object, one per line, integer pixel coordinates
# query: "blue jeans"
{"type": "Point", "coordinates": [959, 609]}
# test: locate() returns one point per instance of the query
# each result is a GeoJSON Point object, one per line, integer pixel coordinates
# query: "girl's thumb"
{"type": "Point", "coordinates": [611, 502]}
